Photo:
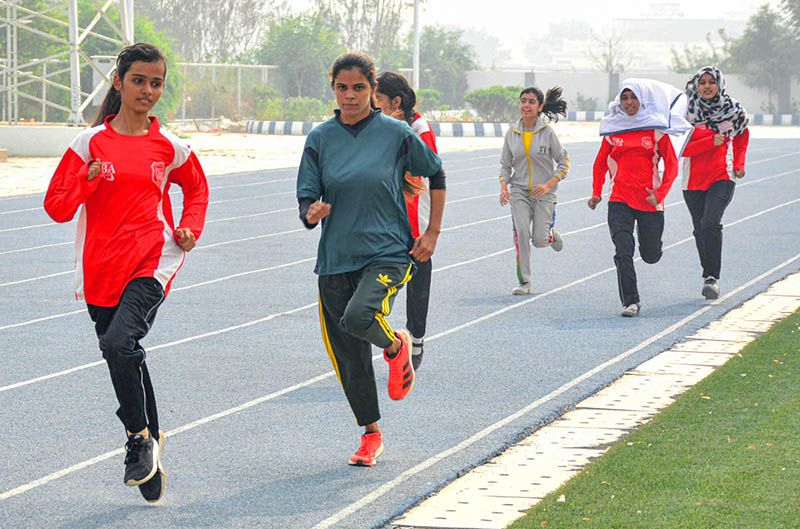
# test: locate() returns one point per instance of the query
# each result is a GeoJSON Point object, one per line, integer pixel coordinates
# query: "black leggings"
{"type": "Point", "coordinates": [119, 329]}
{"type": "Point", "coordinates": [706, 208]}
{"type": "Point", "coordinates": [649, 229]}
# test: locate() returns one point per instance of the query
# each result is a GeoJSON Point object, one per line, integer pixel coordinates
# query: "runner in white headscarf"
{"type": "Point", "coordinates": [637, 135]}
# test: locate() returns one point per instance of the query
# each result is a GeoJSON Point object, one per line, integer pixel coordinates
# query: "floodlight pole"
{"type": "Point", "coordinates": [415, 60]}
{"type": "Point", "coordinates": [75, 114]}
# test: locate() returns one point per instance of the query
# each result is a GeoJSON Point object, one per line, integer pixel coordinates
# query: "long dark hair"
{"type": "Point", "coordinates": [141, 51]}
{"type": "Point", "coordinates": [395, 85]}
{"type": "Point", "coordinates": [351, 60]}
{"type": "Point", "coordinates": [554, 104]}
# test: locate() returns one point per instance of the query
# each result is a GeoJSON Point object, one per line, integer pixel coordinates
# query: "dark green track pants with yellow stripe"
{"type": "Point", "coordinates": [353, 309]}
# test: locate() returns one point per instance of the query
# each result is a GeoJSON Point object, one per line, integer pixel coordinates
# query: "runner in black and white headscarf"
{"type": "Point", "coordinates": [721, 113]}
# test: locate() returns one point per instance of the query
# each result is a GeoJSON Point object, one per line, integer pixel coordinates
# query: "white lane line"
{"type": "Point", "coordinates": [251, 215]}
{"type": "Point", "coordinates": [20, 281]}
{"type": "Point", "coordinates": [20, 228]}
{"type": "Point", "coordinates": [429, 462]}
{"type": "Point", "coordinates": [388, 486]}
{"type": "Point", "coordinates": [162, 346]}
{"type": "Point", "coordinates": [20, 210]}
{"type": "Point", "coordinates": [37, 247]}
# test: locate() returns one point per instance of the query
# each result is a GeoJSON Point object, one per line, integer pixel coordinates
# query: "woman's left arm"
{"type": "Point", "coordinates": [192, 179]}
{"type": "Point", "coordinates": [740, 143]}
{"type": "Point", "coordinates": [422, 161]}
{"type": "Point", "coordinates": [670, 169]}
{"type": "Point", "coordinates": [561, 158]}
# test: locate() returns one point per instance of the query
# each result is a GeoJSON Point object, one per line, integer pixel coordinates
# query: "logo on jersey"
{"type": "Point", "coordinates": [158, 170]}
{"type": "Point", "coordinates": [383, 279]}
{"type": "Point", "coordinates": [542, 149]}
{"type": "Point", "coordinates": [647, 142]}
{"type": "Point", "coordinates": [617, 141]}
{"type": "Point", "coordinates": [107, 171]}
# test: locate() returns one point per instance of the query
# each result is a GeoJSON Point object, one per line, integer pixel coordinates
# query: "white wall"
{"type": "Point", "coordinates": [23, 140]}
{"type": "Point", "coordinates": [595, 84]}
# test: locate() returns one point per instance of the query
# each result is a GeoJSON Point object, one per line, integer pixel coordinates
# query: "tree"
{"type": "Point", "coordinates": [693, 58]}
{"type": "Point", "coordinates": [368, 26]}
{"type": "Point", "coordinates": [767, 53]}
{"type": "Point", "coordinates": [444, 62]}
{"type": "Point", "coordinates": [303, 50]}
{"type": "Point", "coordinates": [211, 30]}
{"type": "Point", "coordinates": [792, 10]}
{"type": "Point", "coordinates": [612, 55]}
{"type": "Point", "coordinates": [498, 103]}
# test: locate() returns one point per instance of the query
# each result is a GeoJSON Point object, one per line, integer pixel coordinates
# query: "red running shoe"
{"type": "Point", "coordinates": [401, 370]}
{"type": "Point", "coordinates": [371, 447]}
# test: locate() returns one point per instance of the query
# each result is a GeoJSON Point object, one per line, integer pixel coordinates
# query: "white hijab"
{"type": "Point", "coordinates": [661, 107]}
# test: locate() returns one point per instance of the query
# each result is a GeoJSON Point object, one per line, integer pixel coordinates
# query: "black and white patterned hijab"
{"type": "Point", "coordinates": [722, 113]}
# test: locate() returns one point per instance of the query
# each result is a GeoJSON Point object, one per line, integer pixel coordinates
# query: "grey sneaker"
{"type": "Point", "coordinates": [141, 459]}
{"type": "Point", "coordinates": [522, 290]}
{"type": "Point", "coordinates": [631, 311]}
{"type": "Point", "coordinates": [558, 241]}
{"type": "Point", "coordinates": [153, 489]}
{"type": "Point", "coordinates": [417, 350]}
{"type": "Point", "coordinates": [710, 288]}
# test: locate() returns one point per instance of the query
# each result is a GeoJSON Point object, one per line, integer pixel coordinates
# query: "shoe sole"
{"type": "Point", "coordinates": [363, 464]}
{"type": "Point", "coordinates": [160, 474]}
{"type": "Point", "coordinates": [136, 482]}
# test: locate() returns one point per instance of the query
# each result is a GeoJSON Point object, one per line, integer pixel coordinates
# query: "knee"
{"type": "Point", "coordinates": [356, 322]}
{"type": "Point", "coordinates": [650, 256]}
{"type": "Point", "coordinates": [709, 226]}
{"type": "Point", "coordinates": [116, 348]}
{"type": "Point", "coordinates": [541, 243]}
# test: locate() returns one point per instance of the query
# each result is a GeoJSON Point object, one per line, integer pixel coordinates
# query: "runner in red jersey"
{"type": "Point", "coordinates": [634, 142]}
{"type": "Point", "coordinates": [127, 248]}
{"type": "Point", "coordinates": [715, 152]}
{"type": "Point", "coordinates": [396, 98]}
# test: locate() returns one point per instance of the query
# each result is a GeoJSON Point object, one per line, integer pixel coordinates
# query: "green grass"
{"type": "Point", "coordinates": [726, 454]}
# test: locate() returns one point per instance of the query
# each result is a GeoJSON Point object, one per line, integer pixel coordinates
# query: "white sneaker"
{"type": "Point", "coordinates": [522, 290]}
{"type": "Point", "coordinates": [710, 288]}
{"type": "Point", "coordinates": [631, 311]}
{"type": "Point", "coordinates": [558, 241]}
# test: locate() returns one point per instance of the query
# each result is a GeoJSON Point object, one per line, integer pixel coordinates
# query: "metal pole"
{"type": "Point", "coordinates": [213, 83]}
{"type": "Point", "coordinates": [12, 63]}
{"type": "Point", "coordinates": [44, 92]}
{"type": "Point", "coordinates": [75, 115]}
{"type": "Point", "coordinates": [126, 21]}
{"type": "Point", "coordinates": [183, 103]}
{"type": "Point", "coordinates": [415, 65]}
{"type": "Point", "coordinates": [239, 93]}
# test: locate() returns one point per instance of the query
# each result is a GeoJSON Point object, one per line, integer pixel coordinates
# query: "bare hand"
{"type": "Point", "coordinates": [594, 201]}
{"type": "Point", "coordinates": [398, 114]}
{"type": "Point", "coordinates": [540, 190]}
{"type": "Point", "coordinates": [719, 139]}
{"type": "Point", "coordinates": [651, 198]}
{"type": "Point", "coordinates": [505, 195]}
{"type": "Point", "coordinates": [424, 246]}
{"type": "Point", "coordinates": [94, 169]}
{"type": "Point", "coordinates": [738, 173]}
{"type": "Point", "coordinates": [185, 238]}
{"type": "Point", "coordinates": [317, 211]}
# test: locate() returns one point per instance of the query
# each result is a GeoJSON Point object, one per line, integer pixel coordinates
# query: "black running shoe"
{"type": "Point", "coordinates": [153, 489]}
{"type": "Point", "coordinates": [141, 459]}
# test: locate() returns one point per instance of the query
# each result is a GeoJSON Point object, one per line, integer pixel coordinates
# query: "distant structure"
{"type": "Point", "coordinates": [16, 20]}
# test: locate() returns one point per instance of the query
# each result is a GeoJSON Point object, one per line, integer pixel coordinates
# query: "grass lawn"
{"type": "Point", "coordinates": [726, 454]}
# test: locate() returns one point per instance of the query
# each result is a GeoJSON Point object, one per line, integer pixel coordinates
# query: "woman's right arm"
{"type": "Point", "coordinates": [309, 186]}
{"type": "Point", "coordinates": [600, 168]}
{"type": "Point", "coordinates": [69, 187]}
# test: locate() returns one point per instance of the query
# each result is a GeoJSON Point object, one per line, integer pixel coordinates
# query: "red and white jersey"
{"type": "Point", "coordinates": [631, 158]}
{"type": "Point", "coordinates": [125, 228]}
{"type": "Point", "coordinates": [705, 163]}
{"type": "Point", "coordinates": [419, 206]}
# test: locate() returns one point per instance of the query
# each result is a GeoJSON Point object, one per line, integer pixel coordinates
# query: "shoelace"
{"type": "Point", "coordinates": [132, 449]}
{"type": "Point", "coordinates": [363, 450]}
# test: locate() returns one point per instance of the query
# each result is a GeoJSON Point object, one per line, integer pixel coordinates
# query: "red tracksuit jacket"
{"type": "Point", "coordinates": [704, 163]}
{"type": "Point", "coordinates": [125, 228]}
{"type": "Point", "coordinates": [632, 160]}
{"type": "Point", "coordinates": [419, 206]}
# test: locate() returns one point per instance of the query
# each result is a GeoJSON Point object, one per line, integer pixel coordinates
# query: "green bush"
{"type": "Point", "coordinates": [428, 99]}
{"type": "Point", "coordinates": [498, 103]}
{"type": "Point", "coordinates": [292, 109]}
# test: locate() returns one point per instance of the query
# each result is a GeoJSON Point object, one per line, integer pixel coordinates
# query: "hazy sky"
{"type": "Point", "coordinates": [504, 18]}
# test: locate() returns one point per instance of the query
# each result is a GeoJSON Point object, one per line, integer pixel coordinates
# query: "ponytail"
{"type": "Point", "coordinates": [111, 104]}
{"type": "Point", "coordinates": [141, 51]}
{"type": "Point", "coordinates": [553, 103]}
